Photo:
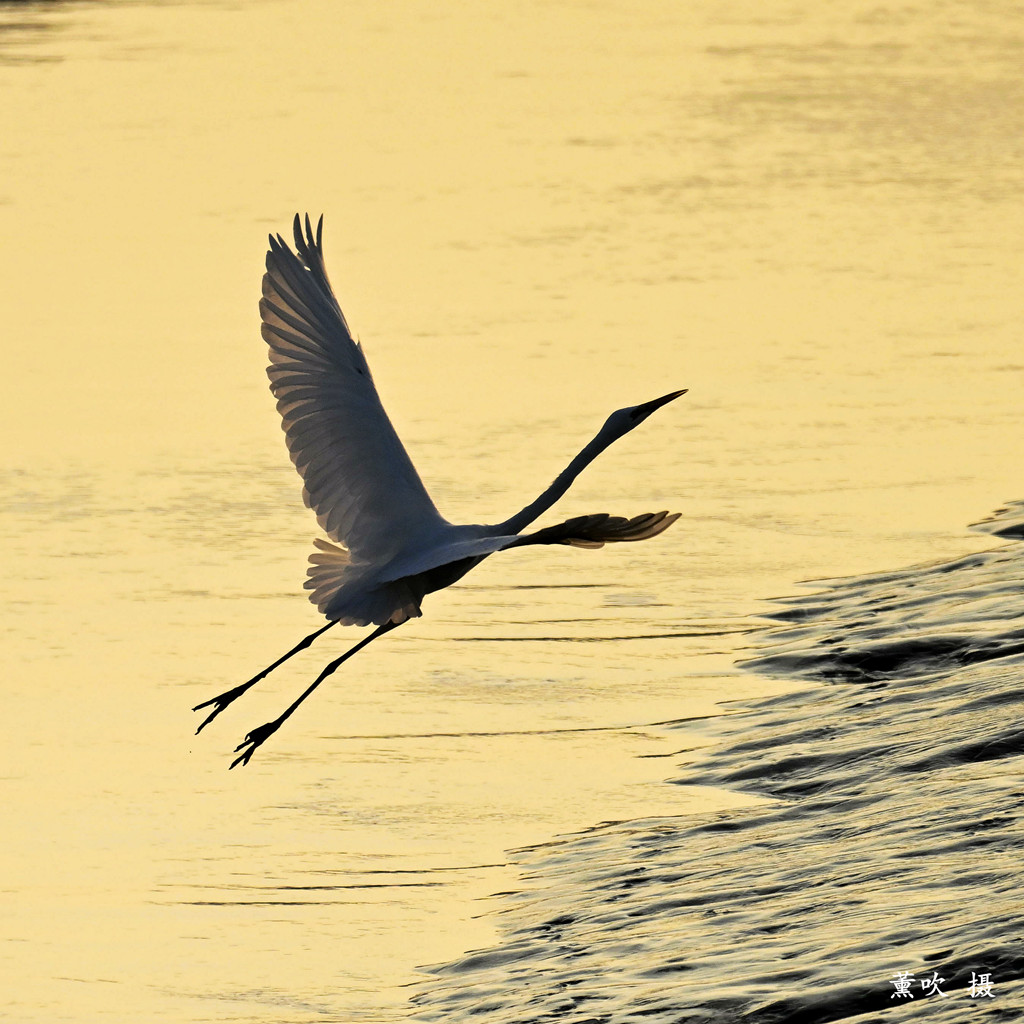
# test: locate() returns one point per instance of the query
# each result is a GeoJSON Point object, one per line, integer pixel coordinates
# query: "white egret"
{"type": "Point", "coordinates": [389, 546]}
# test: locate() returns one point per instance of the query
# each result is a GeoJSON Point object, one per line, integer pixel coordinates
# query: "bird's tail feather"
{"type": "Point", "coordinates": [331, 569]}
{"type": "Point", "coordinates": [597, 530]}
{"type": "Point", "coordinates": [328, 567]}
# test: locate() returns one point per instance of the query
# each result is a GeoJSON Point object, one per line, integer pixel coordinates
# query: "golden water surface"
{"type": "Point", "coordinates": [535, 213]}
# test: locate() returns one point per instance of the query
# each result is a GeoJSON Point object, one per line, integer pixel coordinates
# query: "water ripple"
{"type": "Point", "coordinates": [888, 838]}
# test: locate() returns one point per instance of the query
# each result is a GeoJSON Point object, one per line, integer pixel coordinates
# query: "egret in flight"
{"type": "Point", "coordinates": [388, 546]}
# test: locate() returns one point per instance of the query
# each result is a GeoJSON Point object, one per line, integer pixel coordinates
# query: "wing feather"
{"type": "Point", "coordinates": [358, 477]}
{"type": "Point", "coordinates": [595, 531]}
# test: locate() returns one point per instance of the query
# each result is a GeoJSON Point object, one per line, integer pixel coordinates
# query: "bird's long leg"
{"type": "Point", "coordinates": [222, 700]}
{"type": "Point", "coordinates": [262, 733]}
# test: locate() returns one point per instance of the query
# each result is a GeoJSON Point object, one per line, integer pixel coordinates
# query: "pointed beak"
{"type": "Point", "coordinates": [641, 412]}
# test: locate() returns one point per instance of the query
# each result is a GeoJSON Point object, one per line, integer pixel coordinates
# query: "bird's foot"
{"type": "Point", "coordinates": [254, 739]}
{"type": "Point", "coordinates": [220, 702]}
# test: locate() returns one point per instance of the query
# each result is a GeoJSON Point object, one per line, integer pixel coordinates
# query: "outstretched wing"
{"type": "Point", "coordinates": [597, 530]}
{"type": "Point", "coordinates": [359, 479]}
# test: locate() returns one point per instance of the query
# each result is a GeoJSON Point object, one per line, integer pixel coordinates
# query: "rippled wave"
{"type": "Point", "coordinates": [889, 838]}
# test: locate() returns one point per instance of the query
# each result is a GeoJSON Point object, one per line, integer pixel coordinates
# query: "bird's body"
{"type": "Point", "coordinates": [389, 546]}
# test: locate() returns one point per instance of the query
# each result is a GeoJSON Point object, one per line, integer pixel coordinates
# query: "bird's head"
{"type": "Point", "coordinates": [624, 420]}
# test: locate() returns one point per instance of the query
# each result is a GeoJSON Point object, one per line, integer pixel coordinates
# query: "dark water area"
{"type": "Point", "coordinates": [889, 838]}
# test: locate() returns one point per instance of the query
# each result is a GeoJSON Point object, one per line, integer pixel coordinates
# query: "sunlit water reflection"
{"type": "Point", "coordinates": [807, 216]}
{"type": "Point", "coordinates": [890, 843]}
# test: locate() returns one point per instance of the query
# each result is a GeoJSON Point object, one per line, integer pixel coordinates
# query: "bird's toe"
{"type": "Point", "coordinates": [254, 739]}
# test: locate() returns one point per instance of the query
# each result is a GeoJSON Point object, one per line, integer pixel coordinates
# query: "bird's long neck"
{"type": "Point", "coordinates": [559, 485]}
